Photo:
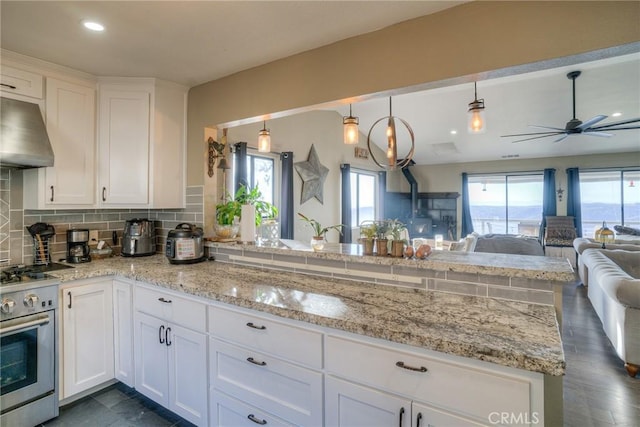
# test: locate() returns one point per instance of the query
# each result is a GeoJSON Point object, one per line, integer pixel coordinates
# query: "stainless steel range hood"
{"type": "Point", "coordinates": [24, 142]}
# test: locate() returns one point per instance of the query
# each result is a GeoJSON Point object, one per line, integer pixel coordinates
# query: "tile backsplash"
{"type": "Point", "coordinates": [17, 245]}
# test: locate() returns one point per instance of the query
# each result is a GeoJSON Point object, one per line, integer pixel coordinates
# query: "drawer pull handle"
{"type": "Point", "coordinates": [252, 325]}
{"type": "Point", "coordinates": [255, 362]}
{"type": "Point", "coordinates": [256, 420]}
{"type": "Point", "coordinates": [8, 86]}
{"type": "Point", "coordinates": [161, 299]}
{"type": "Point", "coordinates": [401, 416]}
{"type": "Point", "coordinates": [411, 368]}
{"type": "Point", "coordinates": [418, 419]}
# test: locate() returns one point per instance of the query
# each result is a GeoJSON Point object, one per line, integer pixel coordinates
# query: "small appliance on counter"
{"type": "Point", "coordinates": [185, 244]}
{"type": "Point", "coordinates": [139, 237]}
{"type": "Point", "coordinates": [78, 246]}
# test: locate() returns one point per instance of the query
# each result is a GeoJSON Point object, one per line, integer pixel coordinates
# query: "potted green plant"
{"type": "Point", "coordinates": [229, 213]}
{"type": "Point", "coordinates": [382, 229]}
{"type": "Point", "coordinates": [318, 239]}
{"type": "Point", "coordinates": [396, 228]}
{"type": "Point", "coordinates": [368, 231]}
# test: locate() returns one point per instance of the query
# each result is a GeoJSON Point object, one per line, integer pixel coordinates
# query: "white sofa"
{"type": "Point", "coordinates": [613, 279]}
{"type": "Point", "coordinates": [582, 243]}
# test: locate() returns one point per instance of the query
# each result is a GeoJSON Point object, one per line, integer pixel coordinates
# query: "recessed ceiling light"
{"type": "Point", "coordinates": [453, 132]}
{"type": "Point", "coordinates": [93, 26]}
{"type": "Point", "coordinates": [616, 114]}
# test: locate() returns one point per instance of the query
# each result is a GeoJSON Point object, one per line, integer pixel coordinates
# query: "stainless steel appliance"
{"type": "Point", "coordinates": [78, 246]}
{"type": "Point", "coordinates": [28, 346]}
{"type": "Point", "coordinates": [185, 244]}
{"type": "Point", "coordinates": [139, 237]}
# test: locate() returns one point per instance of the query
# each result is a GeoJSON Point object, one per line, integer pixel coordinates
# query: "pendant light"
{"type": "Point", "coordinates": [477, 122]}
{"type": "Point", "coordinates": [264, 139]}
{"type": "Point", "coordinates": [392, 142]}
{"type": "Point", "coordinates": [350, 125]}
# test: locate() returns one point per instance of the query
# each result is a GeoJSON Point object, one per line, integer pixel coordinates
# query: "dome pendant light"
{"type": "Point", "coordinates": [264, 139]}
{"type": "Point", "coordinates": [351, 132]}
{"type": "Point", "coordinates": [477, 122]}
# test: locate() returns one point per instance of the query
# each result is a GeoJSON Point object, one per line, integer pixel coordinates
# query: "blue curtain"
{"type": "Point", "coordinates": [467, 223]}
{"type": "Point", "coordinates": [382, 190]}
{"type": "Point", "coordinates": [286, 196]}
{"type": "Point", "coordinates": [240, 172]}
{"type": "Point", "coordinates": [573, 198]}
{"type": "Point", "coordinates": [548, 199]}
{"type": "Point", "coordinates": [345, 173]}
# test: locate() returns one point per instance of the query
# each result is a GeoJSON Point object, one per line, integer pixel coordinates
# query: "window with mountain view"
{"type": "Point", "coordinates": [609, 195]}
{"type": "Point", "coordinates": [363, 197]}
{"type": "Point", "coordinates": [506, 204]}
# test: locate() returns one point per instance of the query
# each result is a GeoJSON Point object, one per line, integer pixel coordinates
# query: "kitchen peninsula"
{"type": "Point", "coordinates": [504, 355]}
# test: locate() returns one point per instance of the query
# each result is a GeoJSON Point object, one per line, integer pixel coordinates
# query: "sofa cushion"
{"type": "Point", "coordinates": [617, 282]}
{"type": "Point", "coordinates": [582, 243]}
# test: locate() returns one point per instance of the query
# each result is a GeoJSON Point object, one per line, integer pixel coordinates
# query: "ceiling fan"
{"type": "Point", "coordinates": [577, 127]}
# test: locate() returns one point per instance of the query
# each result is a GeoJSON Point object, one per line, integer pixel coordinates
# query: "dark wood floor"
{"type": "Point", "coordinates": [598, 391]}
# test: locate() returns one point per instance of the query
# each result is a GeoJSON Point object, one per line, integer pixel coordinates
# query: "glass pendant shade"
{"type": "Point", "coordinates": [476, 122]}
{"type": "Point", "coordinates": [264, 140]}
{"type": "Point", "coordinates": [351, 132]}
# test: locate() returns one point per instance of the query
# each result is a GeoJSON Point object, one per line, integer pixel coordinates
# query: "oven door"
{"type": "Point", "coordinates": [27, 357]}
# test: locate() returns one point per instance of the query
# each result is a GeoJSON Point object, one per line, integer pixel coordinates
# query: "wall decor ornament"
{"type": "Point", "coordinates": [313, 175]}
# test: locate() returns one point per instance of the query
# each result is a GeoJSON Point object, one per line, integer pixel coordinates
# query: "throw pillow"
{"type": "Point", "coordinates": [563, 233]}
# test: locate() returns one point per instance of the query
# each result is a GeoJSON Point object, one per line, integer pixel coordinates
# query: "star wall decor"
{"type": "Point", "coordinates": [313, 175]}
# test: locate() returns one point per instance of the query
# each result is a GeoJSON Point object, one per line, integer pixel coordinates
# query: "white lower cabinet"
{"type": "Point", "coordinates": [171, 361]}
{"type": "Point", "coordinates": [229, 412]}
{"type": "Point", "coordinates": [427, 416]}
{"type": "Point", "coordinates": [87, 335]}
{"type": "Point", "coordinates": [122, 331]}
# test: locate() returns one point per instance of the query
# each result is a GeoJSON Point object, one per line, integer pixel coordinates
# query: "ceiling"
{"type": "Point", "coordinates": [192, 42]}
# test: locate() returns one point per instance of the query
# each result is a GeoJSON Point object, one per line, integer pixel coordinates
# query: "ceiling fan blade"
{"type": "Point", "coordinates": [621, 122]}
{"type": "Point", "coordinates": [562, 138]}
{"type": "Point", "coordinates": [598, 133]}
{"type": "Point", "coordinates": [534, 133]}
{"type": "Point", "coordinates": [599, 129]}
{"type": "Point", "coordinates": [536, 137]}
{"type": "Point", "coordinates": [591, 121]}
{"type": "Point", "coordinates": [546, 127]}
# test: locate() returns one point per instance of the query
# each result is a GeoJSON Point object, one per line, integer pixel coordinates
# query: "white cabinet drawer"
{"type": "Point", "coordinates": [21, 82]}
{"type": "Point", "coordinates": [262, 334]}
{"type": "Point", "coordinates": [289, 391]}
{"type": "Point", "coordinates": [444, 384]}
{"type": "Point", "coordinates": [229, 412]}
{"type": "Point", "coordinates": [172, 308]}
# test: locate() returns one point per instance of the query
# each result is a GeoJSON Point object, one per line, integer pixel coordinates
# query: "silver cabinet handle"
{"type": "Point", "coordinates": [255, 362]}
{"type": "Point", "coordinates": [252, 325]}
{"type": "Point", "coordinates": [411, 368]}
{"type": "Point", "coordinates": [256, 420]}
{"type": "Point", "coordinates": [168, 301]}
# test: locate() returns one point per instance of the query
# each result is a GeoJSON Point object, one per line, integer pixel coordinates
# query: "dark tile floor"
{"type": "Point", "coordinates": [116, 406]}
{"type": "Point", "coordinates": [597, 390]}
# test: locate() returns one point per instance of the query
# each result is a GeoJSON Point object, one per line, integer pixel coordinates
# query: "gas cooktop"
{"type": "Point", "coordinates": [28, 274]}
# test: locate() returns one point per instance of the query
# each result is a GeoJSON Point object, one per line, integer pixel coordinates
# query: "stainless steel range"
{"type": "Point", "coordinates": [28, 348]}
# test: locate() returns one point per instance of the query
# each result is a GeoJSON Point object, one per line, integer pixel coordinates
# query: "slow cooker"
{"type": "Point", "coordinates": [185, 244]}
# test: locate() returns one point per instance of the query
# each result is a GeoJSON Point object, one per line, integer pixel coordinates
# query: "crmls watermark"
{"type": "Point", "coordinates": [512, 418]}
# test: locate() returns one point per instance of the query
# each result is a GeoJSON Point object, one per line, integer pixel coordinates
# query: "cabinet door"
{"type": "Point", "coordinates": [87, 336]}
{"type": "Point", "coordinates": [123, 332]}
{"type": "Point", "coordinates": [19, 82]}
{"type": "Point", "coordinates": [353, 405]}
{"type": "Point", "coordinates": [71, 127]}
{"type": "Point", "coordinates": [426, 416]}
{"type": "Point", "coordinates": [187, 373]}
{"type": "Point", "coordinates": [123, 141]}
{"type": "Point", "coordinates": [151, 358]}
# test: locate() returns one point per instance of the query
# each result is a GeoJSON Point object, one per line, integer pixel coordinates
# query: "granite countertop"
{"type": "Point", "coordinates": [507, 333]}
{"type": "Point", "coordinates": [525, 266]}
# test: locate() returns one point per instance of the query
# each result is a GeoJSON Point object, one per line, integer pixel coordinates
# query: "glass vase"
{"type": "Point", "coordinates": [318, 242]}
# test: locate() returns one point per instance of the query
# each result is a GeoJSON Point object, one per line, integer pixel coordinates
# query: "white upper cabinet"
{"type": "Point", "coordinates": [70, 119]}
{"type": "Point", "coordinates": [14, 81]}
{"type": "Point", "coordinates": [141, 143]}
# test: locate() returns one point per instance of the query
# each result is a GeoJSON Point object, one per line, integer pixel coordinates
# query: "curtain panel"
{"type": "Point", "coordinates": [345, 206]}
{"type": "Point", "coordinates": [573, 198]}
{"type": "Point", "coordinates": [548, 199]}
{"type": "Point", "coordinates": [467, 223]}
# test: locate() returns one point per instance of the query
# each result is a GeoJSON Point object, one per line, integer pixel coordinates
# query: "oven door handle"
{"type": "Point", "coordinates": [37, 322]}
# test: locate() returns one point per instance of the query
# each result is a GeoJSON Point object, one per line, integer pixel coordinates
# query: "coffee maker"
{"type": "Point", "coordinates": [78, 246]}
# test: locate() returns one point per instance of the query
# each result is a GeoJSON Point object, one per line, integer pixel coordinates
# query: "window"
{"type": "Point", "coordinates": [609, 195]}
{"type": "Point", "coordinates": [363, 196]}
{"type": "Point", "coordinates": [263, 171]}
{"type": "Point", "coordinates": [506, 204]}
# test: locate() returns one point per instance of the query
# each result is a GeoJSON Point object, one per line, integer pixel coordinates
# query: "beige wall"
{"type": "Point", "coordinates": [296, 133]}
{"type": "Point", "coordinates": [463, 43]}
